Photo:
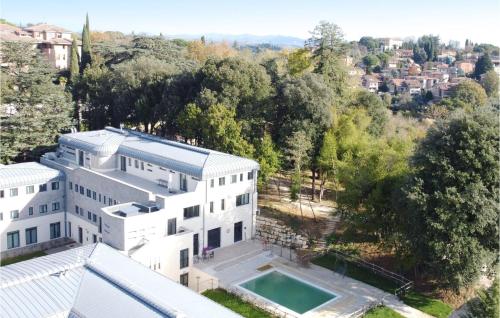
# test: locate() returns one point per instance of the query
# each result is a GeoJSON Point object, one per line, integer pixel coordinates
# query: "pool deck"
{"type": "Point", "coordinates": [234, 264]}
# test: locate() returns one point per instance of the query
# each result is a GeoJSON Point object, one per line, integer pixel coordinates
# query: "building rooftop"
{"type": "Point", "coordinates": [47, 28]}
{"type": "Point", "coordinates": [26, 173]}
{"type": "Point", "coordinates": [195, 161]}
{"type": "Point", "coordinates": [96, 281]}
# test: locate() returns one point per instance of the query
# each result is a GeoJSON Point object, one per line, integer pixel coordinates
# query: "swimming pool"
{"type": "Point", "coordinates": [287, 291]}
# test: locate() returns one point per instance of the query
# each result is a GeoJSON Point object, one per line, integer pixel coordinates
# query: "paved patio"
{"type": "Point", "coordinates": [241, 261]}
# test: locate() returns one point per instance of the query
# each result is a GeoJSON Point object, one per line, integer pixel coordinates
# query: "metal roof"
{"type": "Point", "coordinates": [27, 173]}
{"type": "Point", "coordinates": [195, 161]}
{"type": "Point", "coordinates": [96, 281]}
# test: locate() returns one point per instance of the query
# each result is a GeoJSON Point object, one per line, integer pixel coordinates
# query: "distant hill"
{"type": "Point", "coordinates": [246, 39]}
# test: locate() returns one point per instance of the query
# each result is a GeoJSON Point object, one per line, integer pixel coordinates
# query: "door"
{"type": "Point", "coordinates": [172, 226]}
{"type": "Point", "coordinates": [80, 235]}
{"type": "Point", "coordinates": [123, 163]}
{"type": "Point", "coordinates": [214, 238]}
{"type": "Point", "coordinates": [196, 244]}
{"type": "Point", "coordinates": [238, 231]}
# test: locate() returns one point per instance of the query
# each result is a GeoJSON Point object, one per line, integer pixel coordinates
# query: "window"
{"type": "Point", "coordinates": [110, 201]}
{"type": "Point", "coordinates": [13, 192]}
{"type": "Point", "coordinates": [100, 225]}
{"type": "Point", "coordinates": [234, 178]}
{"type": "Point", "coordinates": [172, 226]}
{"type": "Point", "coordinates": [42, 187]}
{"type": "Point", "coordinates": [250, 175]}
{"type": "Point", "coordinates": [136, 163]}
{"type": "Point", "coordinates": [30, 189]}
{"type": "Point", "coordinates": [184, 258]}
{"type": "Point", "coordinates": [82, 190]}
{"type": "Point", "coordinates": [55, 230]}
{"type": "Point", "coordinates": [123, 163]}
{"type": "Point", "coordinates": [2, 194]}
{"type": "Point", "coordinates": [182, 182]}
{"type": "Point", "coordinates": [1, 216]}
{"type": "Point", "coordinates": [104, 200]}
{"type": "Point", "coordinates": [69, 229]}
{"type": "Point", "coordinates": [13, 239]}
{"type": "Point", "coordinates": [191, 212]}
{"type": "Point", "coordinates": [77, 209]}
{"type": "Point", "coordinates": [31, 236]}
{"type": "Point", "coordinates": [94, 217]}
{"type": "Point", "coordinates": [71, 185]}
{"type": "Point", "coordinates": [94, 238]}
{"type": "Point", "coordinates": [89, 193]}
{"type": "Point", "coordinates": [30, 210]}
{"type": "Point", "coordinates": [94, 195]}
{"type": "Point", "coordinates": [56, 206]}
{"type": "Point", "coordinates": [89, 215]}
{"type": "Point", "coordinates": [184, 279]}
{"type": "Point", "coordinates": [80, 158]}
{"type": "Point", "coordinates": [99, 197]}
{"type": "Point", "coordinates": [223, 204]}
{"type": "Point", "coordinates": [14, 214]}
{"type": "Point", "coordinates": [222, 181]}
{"type": "Point", "coordinates": [212, 183]}
{"type": "Point", "coordinates": [42, 208]}
{"type": "Point", "coordinates": [81, 211]}
{"type": "Point", "coordinates": [55, 185]}
{"type": "Point", "coordinates": [241, 176]}
{"type": "Point", "coordinates": [76, 187]}
{"type": "Point", "coordinates": [129, 162]}
{"type": "Point", "coordinates": [142, 165]}
{"type": "Point", "coordinates": [242, 199]}
{"type": "Point", "coordinates": [211, 206]}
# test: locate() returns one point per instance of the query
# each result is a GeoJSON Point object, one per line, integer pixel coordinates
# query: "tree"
{"type": "Point", "coordinates": [487, 303]}
{"type": "Point", "coordinates": [370, 61]}
{"type": "Point", "coordinates": [452, 200]}
{"type": "Point", "coordinates": [190, 123]}
{"type": "Point", "coordinates": [375, 108]}
{"type": "Point", "coordinates": [34, 110]}
{"type": "Point", "coordinates": [369, 42]}
{"type": "Point", "coordinates": [269, 160]}
{"type": "Point", "coordinates": [86, 58]}
{"type": "Point", "coordinates": [468, 95]}
{"type": "Point", "coordinates": [299, 61]}
{"type": "Point", "coordinates": [490, 83]}
{"type": "Point", "coordinates": [483, 65]}
{"type": "Point", "coordinates": [74, 69]}
{"type": "Point", "coordinates": [430, 44]}
{"type": "Point", "coordinates": [328, 162]}
{"type": "Point", "coordinates": [298, 147]}
{"type": "Point", "coordinates": [419, 55]}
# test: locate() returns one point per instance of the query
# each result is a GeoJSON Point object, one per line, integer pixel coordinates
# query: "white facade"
{"type": "Point", "coordinates": [202, 199]}
{"type": "Point", "coordinates": [31, 199]}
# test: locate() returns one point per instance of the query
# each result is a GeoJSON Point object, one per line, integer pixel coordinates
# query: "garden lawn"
{"type": "Point", "coordinates": [20, 258]}
{"type": "Point", "coordinates": [236, 304]}
{"type": "Point", "coordinates": [431, 306]}
{"type": "Point", "coordinates": [382, 312]}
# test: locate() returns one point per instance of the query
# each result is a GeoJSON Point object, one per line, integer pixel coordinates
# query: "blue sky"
{"type": "Point", "coordinates": [450, 19]}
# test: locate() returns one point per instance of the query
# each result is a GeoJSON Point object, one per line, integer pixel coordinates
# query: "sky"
{"type": "Point", "coordinates": [450, 19]}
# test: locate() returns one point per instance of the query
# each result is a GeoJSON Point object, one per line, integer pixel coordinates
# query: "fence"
{"type": "Point", "coordinates": [405, 283]}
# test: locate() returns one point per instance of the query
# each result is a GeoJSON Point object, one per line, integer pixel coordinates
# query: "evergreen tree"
{"type": "Point", "coordinates": [74, 66]}
{"type": "Point", "coordinates": [483, 65]}
{"type": "Point", "coordinates": [86, 47]}
{"type": "Point", "coordinates": [33, 110]}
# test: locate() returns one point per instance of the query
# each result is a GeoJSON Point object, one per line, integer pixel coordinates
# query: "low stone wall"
{"type": "Point", "coordinates": [276, 232]}
{"type": "Point", "coordinates": [35, 247]}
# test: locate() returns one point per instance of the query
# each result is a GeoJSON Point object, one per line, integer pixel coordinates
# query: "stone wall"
{"type": "Point", "coordinates": [276, 232]}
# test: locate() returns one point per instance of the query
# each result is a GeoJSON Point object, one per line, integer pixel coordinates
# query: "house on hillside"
{"type": "Point", "coordinates": [54, 42]}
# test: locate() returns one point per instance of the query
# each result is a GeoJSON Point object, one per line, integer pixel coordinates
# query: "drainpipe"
{"type": "Point", "coordinates": [204, 208]}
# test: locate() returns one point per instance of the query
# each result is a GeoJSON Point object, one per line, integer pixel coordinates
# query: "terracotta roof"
{"type": "Point", "coordinates": [46, 27]}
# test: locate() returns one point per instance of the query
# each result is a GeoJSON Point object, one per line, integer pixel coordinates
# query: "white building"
{"type": "Point", "coordinates": [31, 207]}
{"type": "Point", "coordinates": [96, 281]}
{"type": "Point", "coordinates": [388, 44]}
{"type": "Point", "coordinates": [161, 202]}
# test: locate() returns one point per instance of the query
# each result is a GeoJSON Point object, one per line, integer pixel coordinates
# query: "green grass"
{"type": "Point", "coordinates": [236, 304]}
{"type": "Point", "coordinates": [431, 306]}
{"type": "Point", "coordinates": [20, 258]}
{"type": "Point", "coordinates": [382, 312]}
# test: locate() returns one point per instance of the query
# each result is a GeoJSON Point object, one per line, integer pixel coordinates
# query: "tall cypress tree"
{"type": "Point", "coordinates": [86, 53]}
{"type": "Point", "coordinates": [74, 67]}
